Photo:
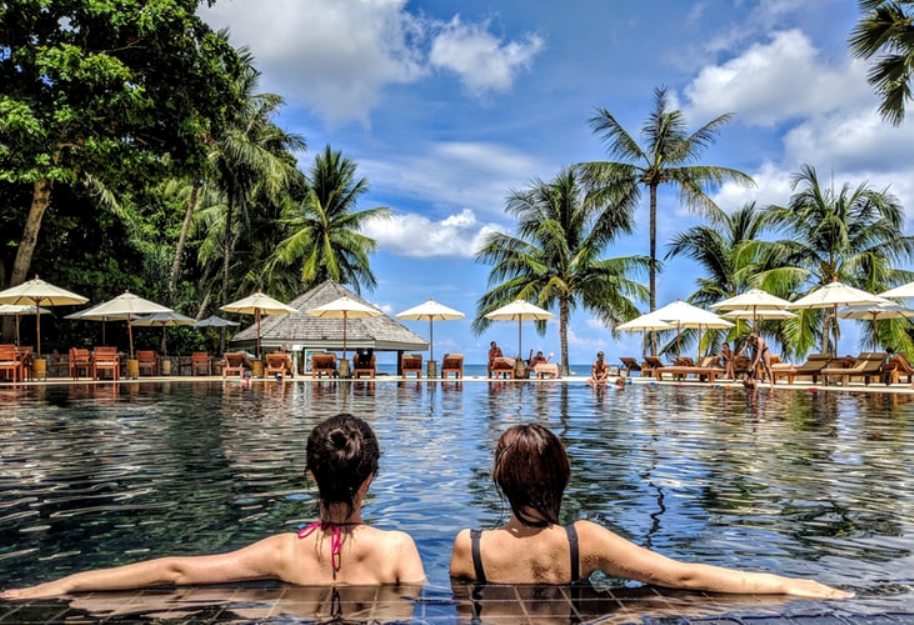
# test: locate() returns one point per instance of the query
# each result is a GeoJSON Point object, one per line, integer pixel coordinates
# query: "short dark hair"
{"type": "Point", "coordinates": [342, 452]}
{"type": "Point", "coordinates": [531, 470]}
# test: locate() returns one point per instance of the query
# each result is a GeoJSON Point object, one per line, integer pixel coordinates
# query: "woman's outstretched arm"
{"type": "Point", "coordinates": [260, 560]}
{"type": "Point", "coordinates": [609, 552]}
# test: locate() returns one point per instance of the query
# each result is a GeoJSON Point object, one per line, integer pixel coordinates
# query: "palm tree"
{"type": "Point", "coordinates": [555, 259]}
{"type": "Point", "coordinates": [719, 248]}
{"type": "Point", "coordinates": [669, 157]}
{"type": "Point", "coordinates": [887, 26]}
{"type": "Point", "coordinates": [325, 240]}
{"type": "Point", "coordinates": [852, 235]}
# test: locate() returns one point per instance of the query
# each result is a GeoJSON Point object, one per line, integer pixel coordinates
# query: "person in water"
{"type": "Point", "coordinates": [338, 548]}
{"type": "Point", "coordinates": [532, 470]}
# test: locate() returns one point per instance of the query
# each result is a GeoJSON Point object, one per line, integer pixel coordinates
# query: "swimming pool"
{"type": "Point", "coordinates": [812, 485]}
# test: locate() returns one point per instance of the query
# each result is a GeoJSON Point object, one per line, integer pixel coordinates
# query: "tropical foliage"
{"type": "Point", "coordinates": [887, 28]}
{"type": "Point", "coordinates": [556, 260]}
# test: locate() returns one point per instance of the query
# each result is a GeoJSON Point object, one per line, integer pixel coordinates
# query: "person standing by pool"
{"type": "Point", "coordinates": [599, 372]}
{"type": "Point", "coordinates": [726, 355]}
{"type": "Point", "coordinates": [532, 470]}
{"type": "Point", "coordinates": [338, 548]}
{"type": "Point", "coordinates": [494, 352]}
{"type": "Point", "coordinates": [761, 356]}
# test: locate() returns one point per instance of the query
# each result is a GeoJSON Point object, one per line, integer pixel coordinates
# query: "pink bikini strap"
{"type": "Point", "coordinates": [336, 539]}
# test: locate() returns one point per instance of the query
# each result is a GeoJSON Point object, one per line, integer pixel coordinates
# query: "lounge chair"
{"type": "Point", "coordinates": [708, 369]}
{"type": "Point", "coordinates": [867, 366]}
{"type": "Point", "coordinates": [811, 368]}
{"type": "Point", "coordinates": [364, 365]}
{"type": "Point", "coordinates": [25, 356]}
{"type": "Point", "coordinates": [650, 365]}
{"type": "Point", "coordinates": [411, 363]}
{"type": "Point", "coordinates": [452, 363]}
{"type": "Point", "coordinates": [199, 361]}
{"type": "Point", "coordinates": [323, 364]}
{"type": "Point", "coordinates": [630, 365]}
{"type": "Point", "coordinates": [147, 359]}
{"type": "Point", "coordinates": [8, 362]}
{"type": "Point", "coordinates": [896, 369]}
{"type": "Point", "coordinates": [106, 359]}
{"type": "Point", "coordinates": [278, 362]}
{"type": "Point", "coordinates": [503, 366]}
{"type": "Point", "coordinates": [58, 363]}
{"type": "Point", "coordinates": [235, 364]}
{"type": "Point", "coordinates": [79, 359]}
{"type": "Point", "coordinates": [542, 369]}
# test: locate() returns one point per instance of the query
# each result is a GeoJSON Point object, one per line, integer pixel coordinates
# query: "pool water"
{"type": "Point", "coordinates": [801, 484]}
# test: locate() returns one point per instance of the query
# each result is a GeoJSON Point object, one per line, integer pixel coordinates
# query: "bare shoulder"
{"type": "Point", "coordinates": [461, 561]}
{"type": "Point", "coordinates": [588, 529]}
{"type": "Point", "coordinates": [462, 541]}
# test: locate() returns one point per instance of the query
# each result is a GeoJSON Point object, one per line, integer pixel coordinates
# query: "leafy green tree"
{"type": "Point", "coordinates": [325, 240]}
{"type": "Point", "coordinates": [669, 157]}
{"type": "Point", "coordinates": [853, 235]}
{"type": "Point", "coordinates": [887, 27]}
{"type": "Point", "coordinates": [104, 88]}
{"type": "Point", "coordinates": [556, 259]}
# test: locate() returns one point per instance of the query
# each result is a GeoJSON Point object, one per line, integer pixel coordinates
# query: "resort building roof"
{"type": "Point", "coordinates": [382, 333]}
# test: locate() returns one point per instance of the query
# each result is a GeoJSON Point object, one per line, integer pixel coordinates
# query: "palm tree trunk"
{"type": "Point", "coordinates": [563, 334]}
{"type": "Point", "coordinates": [227, 248]}
{"type": "Point", "coordinates": [179, 249]}
{"type": "Point", "coordinates": [653, 262]}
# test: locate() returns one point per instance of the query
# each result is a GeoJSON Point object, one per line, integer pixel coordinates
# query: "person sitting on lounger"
{"type": "Point", "coordinates": [494, 352]}
{"type": "Point", "coordinates": [726, 356]}
{"type": "Point", "coordinates": [531, 470]}
{"type": "Point", "coordinates": [338, 548]}
{"type": "Point", "coordinates": [599, 372]}
{"type": "Point", "coordinates": [537, 359]}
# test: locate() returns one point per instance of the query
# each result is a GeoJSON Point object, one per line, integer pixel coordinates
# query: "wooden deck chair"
{"type": "Point", "coordinates": [106, 359]}
{"type": "Point", "coordinates": [278, 362]}
{"type": "Point", "coordinates": [199, 361]}
{"type": "Point", "coordinates": [866, 366]}
{"type": "Point", "coordinates": [411, 363]}
{"type": "Point", "coordinates": [323, 364]}
{"type": "Point", "coordinates": [811, 368]}
{"type": "Point", "coordinates": [9, 364]}
{"type": "Point", "coordinates": [79, 360]}
{"type": "Point", "coordinates": [362, 365]}
{"type": "Point", "coordinates": [898, 368]}
{"type": "Point", "coordinates": [630, 365]}
{"type": "Point", "coordinates": [504, 367]}
{"type": "Point", "coordinates": [452, 363]}
{"type": "Point", "coordinates": [650, 365]}
{"type": "Point", "coordinates": [148, 360]}
{"type": "Point", "coordinates": [542, 369]}
{"type": "Point", "coordinates": [235, 364]}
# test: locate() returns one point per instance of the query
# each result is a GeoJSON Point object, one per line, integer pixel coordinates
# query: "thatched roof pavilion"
{"type": "Point", "coordinates": [299, 330]}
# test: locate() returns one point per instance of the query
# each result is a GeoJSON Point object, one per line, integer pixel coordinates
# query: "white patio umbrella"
{"type": "Point", "coordinates": [761, 315]}
{"type": "Point", "coordinates": [37, 292]}
{"type": "Point", "coordinates": [904, 291]}
{"type": "Point", "coordinates": [18, 310]}
{"type": "Point", "coordinates": [165, 320]}
{"type": "Point", "coordinates": [519, 310]}
{"type": "Point", "coordinates": [832, 295]}
{"type": "Point", "coordinates": [433, 311]}
{"type": "Point", "coordinates": [345, 308]}
{"type": "Point", "coordinates": [876, 312]}
{"type": "Point", "coordinates": [215, 322]}
{"type": "Point", "coordinates": [684, 315]}
{"type": "Point", "coordinates": [88, 314]}
{"type": "Point", "coordinates": [258, 304]}
{"type": "Point", "coordinates": [644, 323]}
{"type": "Point", "coordinates": [125, 306]}
{"type": "Point", "coordinates": [754, 301]}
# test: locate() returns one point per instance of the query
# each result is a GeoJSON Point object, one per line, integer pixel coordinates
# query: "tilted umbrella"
{"type": "Point", "coordinates": [519, 310]}
{"type": "Point", "coordinates": [832, 295]}
{"type": "Point", "coordinates": [876, 312]}
{"type": "Point", "coordinates": [645, 323]}
{"type": "Point", "coordinates": [126, 306]}
{"type": "Point", "coordinates": [258, 304]}
{"type": "Point", "coordinates": [433, 311]}
{"type": "Point", "coordinates": [215, 322]}
{"type": "Point", "coordinates": [684, 315]}
{"type": "Point", "coordinates": [164, 320]}
{"type": "Point", "coordinates": [39, 293]}
{"type": "Point", "coordinates": [754, 301]}
{"type": "Point", "coordinates": [17, 310]}
{"type": "Point", "coordinates": [345, 308]}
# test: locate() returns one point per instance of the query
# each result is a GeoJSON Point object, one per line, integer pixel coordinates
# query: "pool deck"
{"type": "Point", "coordinates": [803, 386]}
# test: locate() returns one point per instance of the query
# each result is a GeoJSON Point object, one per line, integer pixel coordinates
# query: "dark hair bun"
{"type": "Point", "coordinates": [338, 438]}
{"type": "Point", "coordinates": [342, 453]}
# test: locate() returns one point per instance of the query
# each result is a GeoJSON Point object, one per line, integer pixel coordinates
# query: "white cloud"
{"type": "Point", "coordinates": [773, 188]}
{"type": "Point", "coordinates": [411, 234]}
{"type": "Point", "coordinates": [455, 175]}
{"type": "Point", "coordinates": [338, 56]}
{"type": "Point", "coordinates": [778, 80]}
{"type": "Point", "coordinates": [483, 62]}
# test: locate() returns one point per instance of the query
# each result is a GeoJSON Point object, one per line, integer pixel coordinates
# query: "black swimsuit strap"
{"type": "Point", "coordinates": [477, 556]}
{"type": "Point", "coordinates": [575, 552]}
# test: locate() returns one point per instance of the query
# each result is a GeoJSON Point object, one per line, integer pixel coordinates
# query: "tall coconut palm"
{"type": "Point", "coordinates": [887, 27]}
{"type": "Point", "coordinates": [325, 240]}
{"type": "Point", "coordinates": [853, 235]}
{"type": "Point", "coordinates": [669, 157]}
{"type": "Point", "coordinates": [556, 257]}
{"type": "Point", "coordinates": [719, 248]}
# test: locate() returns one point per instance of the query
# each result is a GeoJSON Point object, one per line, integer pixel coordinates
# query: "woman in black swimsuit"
{"type": "Point", "coordinates": [532, 470]}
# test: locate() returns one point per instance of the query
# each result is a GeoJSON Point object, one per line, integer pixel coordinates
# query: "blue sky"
{"type": "Point", "coordinates": [448, 106]}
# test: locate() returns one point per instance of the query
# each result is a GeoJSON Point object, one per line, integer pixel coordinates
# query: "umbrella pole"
{"type": "Point", "coordinates": [104, 326]}
{"type": "Point", "coordinates": [678, 330]}
{"type": "Point", "coordinates": [37, 328]}
{"type": "Point", "coordinates": [17, 330]}
{"type": "Point", "coordinates": [164, 343]}
{"type": "Point", "coordinates": [345, 315]}
{"type": "Point", "coordinates": [130, 335]}
{"type": "Point", "coordinates": [431, 339]}
{"type": "Point", "coordinates": [875, 334]}
{"type": "Point", "coordinates": [836, 330]}
{"type": "Point", "coordinates": [257, 318]}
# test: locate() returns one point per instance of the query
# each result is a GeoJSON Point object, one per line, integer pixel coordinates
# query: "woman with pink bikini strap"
{"type": "Point", "coordinates": [338, 548]}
